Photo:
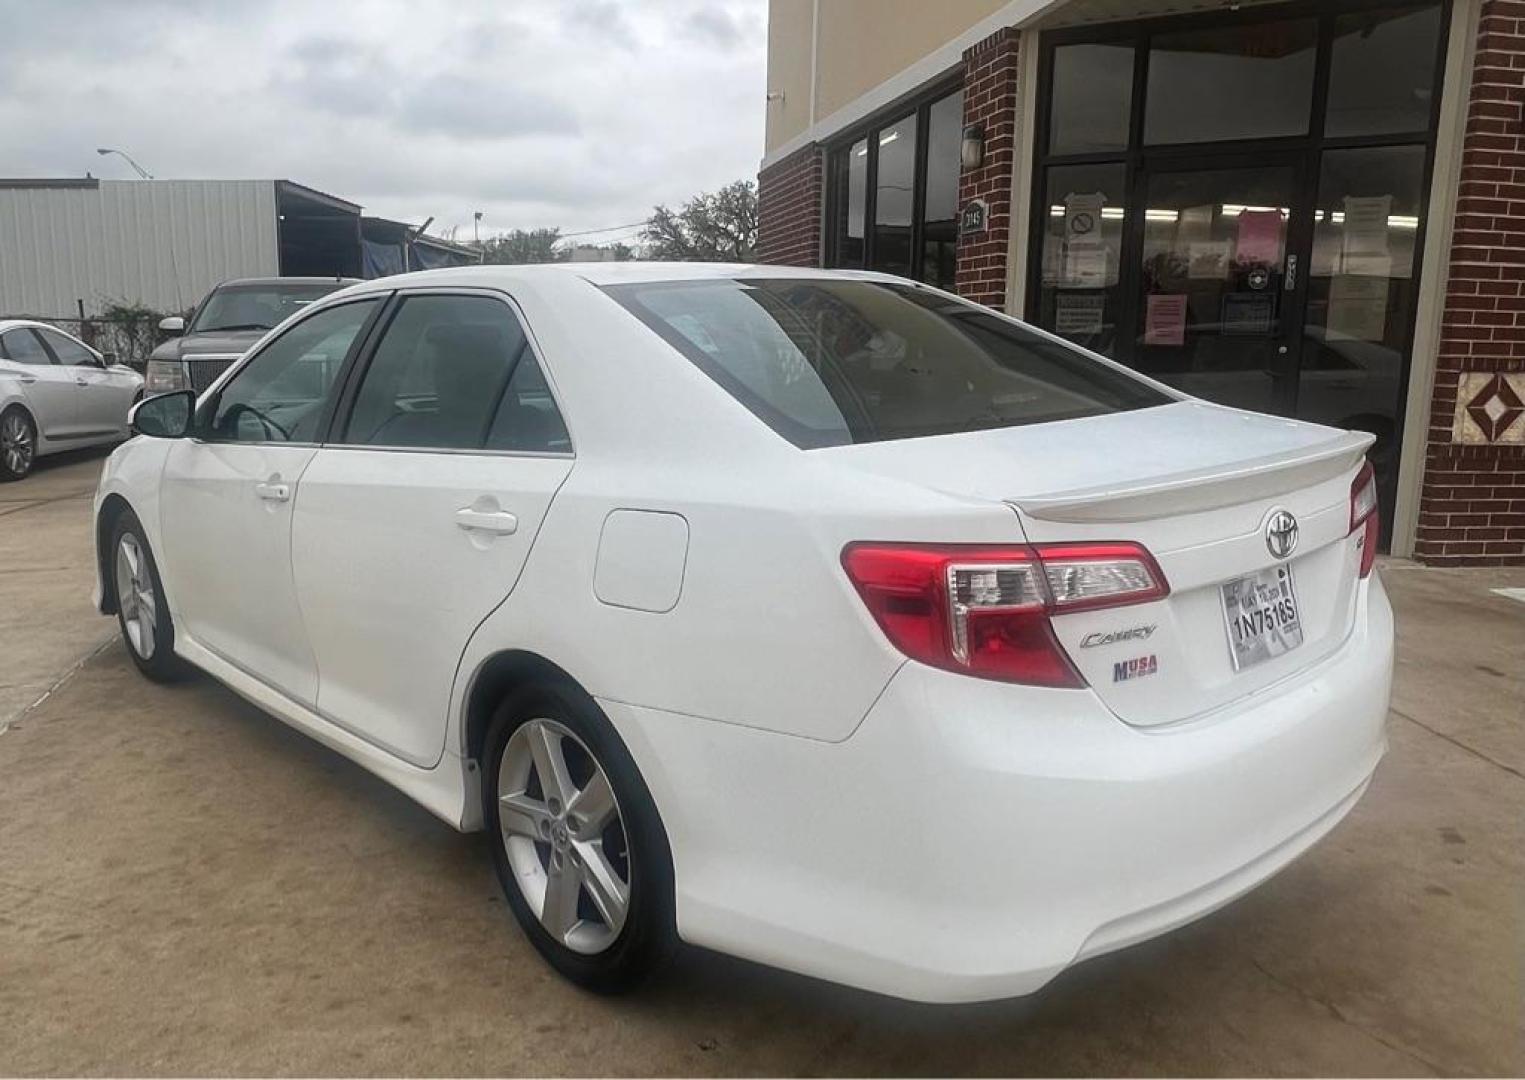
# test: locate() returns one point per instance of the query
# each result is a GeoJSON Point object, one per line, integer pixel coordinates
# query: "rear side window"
{"type": "Point", "coordinates": [455, 373]}
{"type": "Point", "coordinates": [829, 362]}
{"type": "Point", "coordinates": [23, 347]}
{"type": "Point", "coordinates": [68, 350]}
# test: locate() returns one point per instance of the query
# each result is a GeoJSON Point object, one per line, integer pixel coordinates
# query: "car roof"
{"type": "Point", "coordinates": [602, 273]}
{"type": "Point", "coordinates": [17, 324]}
{"type": "Point", "coordinates": [336, 282]}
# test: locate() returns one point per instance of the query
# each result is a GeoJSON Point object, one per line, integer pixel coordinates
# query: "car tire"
{"type": "Point", "coordinates": [18, 443]}
{"type": "Point", "coordinates": [545, 850]}
{"type": "Point", "coordinates": [142, 613]}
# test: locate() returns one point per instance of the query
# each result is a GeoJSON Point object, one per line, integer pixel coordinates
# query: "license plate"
{"type": "Point", "coordinates": [1261, 613]}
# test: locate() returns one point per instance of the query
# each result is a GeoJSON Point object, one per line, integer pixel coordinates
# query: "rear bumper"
{"type": "Point", "coordinates": [971, 839]}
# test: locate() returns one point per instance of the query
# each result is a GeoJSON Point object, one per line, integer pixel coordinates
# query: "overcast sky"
{"type": "Point", "coordinates": [574, 113]}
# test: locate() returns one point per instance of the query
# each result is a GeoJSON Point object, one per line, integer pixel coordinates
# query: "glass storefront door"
{"type": "Point", "coordinates": [1233, 202]}
{"type": "Point", "coordinates": [1217, 283]}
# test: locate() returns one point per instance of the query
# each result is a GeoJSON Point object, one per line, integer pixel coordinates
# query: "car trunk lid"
{"type": "Point", "coordinates": [1197, 485]}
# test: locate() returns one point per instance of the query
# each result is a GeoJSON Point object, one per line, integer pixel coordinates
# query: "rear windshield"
{"type": "Point", "coordinates": [829, 362]}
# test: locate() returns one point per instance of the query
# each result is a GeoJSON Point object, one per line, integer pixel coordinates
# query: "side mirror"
{"type": "Point", "coordinates": [166, 416]}
{"type": "Point", "coordinates": [172, 324]}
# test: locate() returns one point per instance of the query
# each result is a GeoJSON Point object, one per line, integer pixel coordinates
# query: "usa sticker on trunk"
{"type": "Point", "coordinates": [1136, 668]}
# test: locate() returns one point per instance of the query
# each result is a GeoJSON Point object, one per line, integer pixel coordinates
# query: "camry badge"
{"type": "Point", "coordinates": [1281, 533]}
{"type": "Point", "coordinates": [1112, 637]}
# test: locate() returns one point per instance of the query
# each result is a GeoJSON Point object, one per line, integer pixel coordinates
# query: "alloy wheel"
{"type": "Point", "coordinates": [17, 444]}
{"type": "Point", "coordinates": [136, 599]}
{"type": "Point", "coordinates": [564, 836]}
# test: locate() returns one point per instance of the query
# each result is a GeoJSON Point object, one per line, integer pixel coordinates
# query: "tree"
{"type": "Point", "coordinates": [716, 226]}
{"type": "Point", "coordinates": [523, 246]}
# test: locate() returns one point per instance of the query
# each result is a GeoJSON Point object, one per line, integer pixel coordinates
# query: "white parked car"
{"type": "Point", "coordinates": [821, 618]}
{"type": "Point", "coordinates": [56, 393]}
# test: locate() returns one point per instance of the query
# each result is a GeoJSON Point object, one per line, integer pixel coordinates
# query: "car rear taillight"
{"type": "Point", "coordinates": [984, 609]}
{"type": "Point", "coordinates": [1363, 515]}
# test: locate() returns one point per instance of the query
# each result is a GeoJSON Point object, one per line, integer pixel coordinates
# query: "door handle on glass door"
{"type": "Point", "coordinates": [273, 491]}
{"type": "Point", "coordinates": [492, 521]}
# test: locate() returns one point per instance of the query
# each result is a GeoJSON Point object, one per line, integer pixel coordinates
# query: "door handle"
{"type": "Point", "coordinates": [28, 379]}
{"type": "Point", "coordinates": [500, 522]}
{"type": "Point", "coordinates": [80, 380]}
{"type": "Point", "coordinates": [273, 491]}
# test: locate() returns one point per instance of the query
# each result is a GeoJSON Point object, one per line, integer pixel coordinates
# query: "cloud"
{"type": "Point", "coordinates": [580, 114]}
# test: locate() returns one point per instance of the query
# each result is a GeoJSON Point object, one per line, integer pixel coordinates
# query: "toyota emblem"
{"type": "Point", "coordinates": [1281, 533]}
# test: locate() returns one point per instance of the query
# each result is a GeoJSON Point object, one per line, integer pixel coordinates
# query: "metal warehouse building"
{"type": "Point", "coordinates": [70, 248]}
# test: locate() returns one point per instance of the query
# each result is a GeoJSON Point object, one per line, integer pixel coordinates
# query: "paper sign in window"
{"type": "Point", "coordinates": [1259, 242]}
{"type": "Point", "coordinates": [1365, 235]}
{"type": "Point", "coordinates": [1079, 315]}
{"type": "Point", "coordinates": [1357, 307]}
{"type": "Point", "coordinates": [1165, 319]}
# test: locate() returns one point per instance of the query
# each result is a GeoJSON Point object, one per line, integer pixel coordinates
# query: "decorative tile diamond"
{"type": "Point", "coordinates": [1490, 408]}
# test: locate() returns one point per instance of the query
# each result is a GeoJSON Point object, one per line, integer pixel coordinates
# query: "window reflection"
{"type": "Point", "coordinates": [894, 193]}
{"type": "Point", "coordinates": [1092, 98]}
{"type": "Point", "coordinates": [1233, 82]}
{"type": "Point", "coordinates": [1382, 74]}
{"type": "Point", "coordinates": [939, 229]}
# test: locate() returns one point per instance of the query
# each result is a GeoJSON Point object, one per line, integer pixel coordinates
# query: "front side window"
{"type": "Point", "coordinates": [455, 373]}
{"type": "Point", "coordinates": [68, 350]}
{"type": "Point", "coordinates": [23, 347]}
{"type": "Point", "coordinates": [828, 362]}
{"type": "Point", "coordinates": [280, 395]}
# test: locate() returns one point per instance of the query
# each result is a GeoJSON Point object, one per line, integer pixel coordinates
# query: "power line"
{"type": "Point", "coordinates": [611, 228]}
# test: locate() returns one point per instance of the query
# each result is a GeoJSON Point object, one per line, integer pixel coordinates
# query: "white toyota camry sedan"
{"type": "Point", "coordinates": [821, 618]}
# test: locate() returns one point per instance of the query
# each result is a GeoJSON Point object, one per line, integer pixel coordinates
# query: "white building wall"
{"type": "Point", "coordinates": [160, 243]}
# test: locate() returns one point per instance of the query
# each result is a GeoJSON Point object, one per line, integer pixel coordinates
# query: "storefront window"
{"type": "Point", "coordinates": [849, 179]}
{"type": "Point", "coordinates": [1362, 284]}
{"type": "Point", "coordinates": [1082, 252]}
{"type": "Point", "coordinates": [939, 217]}
{"type": "Point", "coordinates": [1092, 98]}
{"type": "Point", "coordinates": [1251, 81]}
{"type": "Point", "coordinates": [893, 194]}
{"type": "Point", "coordinates": [1382, 73]}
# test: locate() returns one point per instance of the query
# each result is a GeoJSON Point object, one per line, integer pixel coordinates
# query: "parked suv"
{"type": "Point", "coordinates": [229, 321]}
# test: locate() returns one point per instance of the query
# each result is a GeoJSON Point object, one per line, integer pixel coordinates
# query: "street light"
{"type": "Point", "coordinates": [125, 156]}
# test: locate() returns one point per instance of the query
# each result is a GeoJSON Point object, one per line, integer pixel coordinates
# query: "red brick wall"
{"type": "Point", "coordinates": [789, 209]}
{"type": "Point", "coordinates": [1472, 504]}
{"type": "Point", "coordinates": [990, 100]}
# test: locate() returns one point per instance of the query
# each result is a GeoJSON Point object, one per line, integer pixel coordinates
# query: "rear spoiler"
{"type": "Point", "coordinates": [1204, 489]}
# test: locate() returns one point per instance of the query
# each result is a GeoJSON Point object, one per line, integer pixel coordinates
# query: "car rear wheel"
{"type": "Point", "coordinates": [18, 444]}
{"type": "Point", "coordinates": [142, 614]}
{"type": "Point", "coordinates": [577, 844]}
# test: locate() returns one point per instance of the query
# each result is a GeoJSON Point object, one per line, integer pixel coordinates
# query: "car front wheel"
{"type": "Point", "coordinates": [142, 614]}
{"type": "Point", "coordinates": [577, 844]}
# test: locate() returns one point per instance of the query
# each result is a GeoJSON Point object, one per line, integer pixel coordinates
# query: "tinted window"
{"type": "Point", "coordinates": [255, 307]}
{"type": "Point", "coordinates": [827, 362]}
{"type": "Point", "coordinates": [850, 186]}
{"type": "Point", "coordinates": [1092, 98]}
{"type": "Point", "coordinates": [893, 197]}
{"type": "Point", "coordinates": [68, 350]}
{"type": "Point", "coordinates": [945, 129]}
{"type": "Point", "coordinates": [1382, 71]}
{"type": "Point", "coordinates": [280, 395]}
{"type": "Point", "coordinates": [1232, 82]}
{"type": "Point", "coordinates": [455, 373]}
{"type": "Point", "coordinates": [23, 347]}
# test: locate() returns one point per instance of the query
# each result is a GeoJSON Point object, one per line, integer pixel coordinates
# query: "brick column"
{"type": "Point", "coordinates": [789, 209]}
{"type": "Point", "coordinates": [1472, 503]}
{"type": "Point", "coordinates": [990, 100]}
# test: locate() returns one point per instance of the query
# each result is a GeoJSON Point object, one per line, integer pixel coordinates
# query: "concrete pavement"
{"type": "Point", "coordinates": [187, 886]}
